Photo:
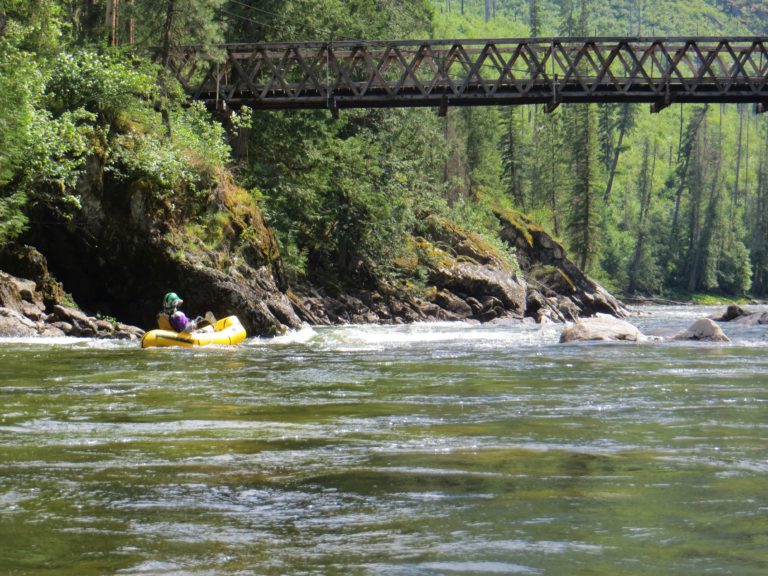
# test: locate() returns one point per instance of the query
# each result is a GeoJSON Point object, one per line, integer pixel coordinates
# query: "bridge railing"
{"type": "Point", "coordinates": [475, 72]}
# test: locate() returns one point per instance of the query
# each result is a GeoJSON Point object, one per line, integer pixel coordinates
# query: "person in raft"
{"type": "Point", "coordinates": [173, 318]}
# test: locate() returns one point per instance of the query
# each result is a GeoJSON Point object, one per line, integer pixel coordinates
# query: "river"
{"type": "Point", "coordinates": [408, 450]}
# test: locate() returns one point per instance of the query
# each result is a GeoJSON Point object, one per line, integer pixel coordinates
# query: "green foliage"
{"type": "Point", "coordinates": [58, 146]}
{"type": "Point", "coordinates": [20, 79]}
{"type": "Point", "coordinates": [186, 22]}
{"type": "Point", "coordinates": [329, 20]}
{"type": "Point", "coordinates": [108, 85]}
{"type": "Point", "coordinates": [138, 156]}
{"type": "Point", "coordinates": [583, 218]}
{"type": "Point", "coordinates": [12, 220]}
{"type": "Point", "coordinates": [33, 27]}
{"type": "Point", "coordinates": [43, 153]}
{"type": "Point", "coordinates": [734, 273]}
{"type": "Point", "coordinates": [483, 157]}
{"type": "Point", "coordinates": [513, 156]}
{"type": "Point", "coordinates": [194, 129]}
{"type": "Point", "coordinates": [357, 195]}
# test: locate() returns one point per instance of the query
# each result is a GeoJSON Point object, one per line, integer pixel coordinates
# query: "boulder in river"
{"type": "Point", "coordinates": [738, 315]}
{"type": "Point", "coordinates": [704, 330]}
{"type": "Point", "coordinates": [602, 328]}
{"type": "Point", "coordinates": [613, 329]}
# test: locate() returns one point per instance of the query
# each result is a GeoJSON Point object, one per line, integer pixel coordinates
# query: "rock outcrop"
{"type": "Point", "coordinates": [23, 312]}
{"type": "Point", "coordinates": [129, 245]}
{"type": "Point", "coordinates": [466, 278]}
{"type": "Point", "coordinates": [557, 288]}
{"type": "Point", "coordinates": [469, 279]}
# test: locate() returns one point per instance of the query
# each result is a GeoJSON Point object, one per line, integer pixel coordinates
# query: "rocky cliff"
{"type": "Point", "coordinates": [468, 279]}
{"type": "Point", "coordinates": [127, 246]}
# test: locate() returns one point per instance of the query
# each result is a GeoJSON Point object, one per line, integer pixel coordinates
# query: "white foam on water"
{"type": "Point", "coordinates": [378, 337]}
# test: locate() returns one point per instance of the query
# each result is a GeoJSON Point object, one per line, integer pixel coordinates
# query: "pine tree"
{"type": "Point", "coordinates": [759, 236]}
{"type": "Point", "coordinates": [483, 157]}
{"type": "Point", "coordinates": [169, 23]}
{"type": "Point", "coordinates": [583, 219]}
{"type": "Point", "coordinates": [534, 17]}
{"type": "Point", "coordinates": [581, 126]}
{"type": "Point", "coordinates": [692, 263]}
{"type": "Point", "coordinates": [643, 271]}
{"type": "Point", "coordinates": [614, 117]}
{"type": "Point", "coordinates": [512, 156]}
{"type": "Point", "coordinates": [546, 166]}
{"type": "Point", "coordinates": [704, 213]}
{"type": "Point", "coordinates": [567, 22]}
{"type": "Point", "coordinates": [681, 180]}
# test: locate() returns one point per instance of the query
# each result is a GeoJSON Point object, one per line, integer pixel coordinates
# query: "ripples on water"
{"type": "Point", "coordinates": [413, 450]}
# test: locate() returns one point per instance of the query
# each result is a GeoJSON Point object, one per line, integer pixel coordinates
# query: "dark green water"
{"type": "Point", "coordinates": [422, 450]}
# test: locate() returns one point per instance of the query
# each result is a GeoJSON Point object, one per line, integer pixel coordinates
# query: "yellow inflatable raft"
{"type": "Point", "coordinates": [227, 331]}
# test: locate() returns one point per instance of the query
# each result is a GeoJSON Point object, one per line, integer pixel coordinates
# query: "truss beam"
{"type": "Point", "coordinates": [658, 71]}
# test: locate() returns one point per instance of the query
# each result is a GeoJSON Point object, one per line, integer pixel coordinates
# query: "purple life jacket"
{"type": "Point", "coordinates": [178, 321]}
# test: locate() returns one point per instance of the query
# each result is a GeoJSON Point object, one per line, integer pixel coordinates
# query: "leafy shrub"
{"type": "Point", "coordinates": [105, 84]}
{"type": "Point", "coordinates": [735, 270]}
{"type": "Point", "coordinates": [145, 157]}
{"type": "Point", "coordinates": [203, 138]}
{"type": "Point", "coordinates": [58, 147]}
{"type": "Point", "coordinates": [12, 219]}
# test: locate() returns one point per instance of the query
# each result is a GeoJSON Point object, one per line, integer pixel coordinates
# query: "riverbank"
{"type": "Point", "coordinates": [463, 278]}
{"type": "Point", "coordinates": [690, 300]}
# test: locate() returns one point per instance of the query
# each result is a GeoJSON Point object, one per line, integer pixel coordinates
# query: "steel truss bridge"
{"type": "Point", "coordinates": [443, 73]}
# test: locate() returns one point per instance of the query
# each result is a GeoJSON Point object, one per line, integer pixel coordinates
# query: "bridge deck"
{"type": "Point", "coordinates": [445, 73]}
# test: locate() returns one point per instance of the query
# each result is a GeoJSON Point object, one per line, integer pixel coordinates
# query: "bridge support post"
{"type": "Point", "coordinates": [658, 106]}
{"type": "Point", "coordinates": [761, 107]}
{"type": "Point", "coordinates": [334, 108]}
{"type": "Point", "coordinates": [442, 111]}
{"type": "Point", "coordinates": [550, 107]}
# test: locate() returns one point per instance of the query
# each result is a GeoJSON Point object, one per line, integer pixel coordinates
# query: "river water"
{"type": "Point", "coordinates": [411, 450]}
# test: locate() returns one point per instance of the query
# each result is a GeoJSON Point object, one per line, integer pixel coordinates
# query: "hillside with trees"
{"type": "Point", "coordinates": [668, 204]}
{"type": "Point", "coordinates": [676, 197]}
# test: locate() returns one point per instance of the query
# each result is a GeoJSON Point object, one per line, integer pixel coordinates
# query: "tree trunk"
{"type": "Point", "coordinates": [167, 32]}
{"type": "Point", "coordinates": [111, 20]}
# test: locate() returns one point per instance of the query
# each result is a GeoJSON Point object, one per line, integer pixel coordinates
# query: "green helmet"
{"type": "Point", "coordinates": [172, 300]}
